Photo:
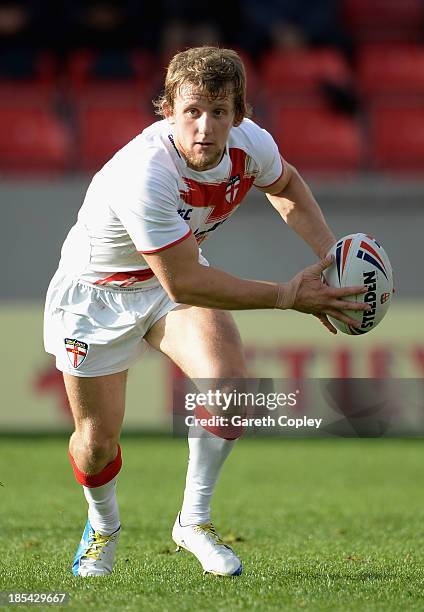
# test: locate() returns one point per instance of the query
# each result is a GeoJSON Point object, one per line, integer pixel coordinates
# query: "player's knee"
{"type": "Point", "coordinates": [93, 450]}
{"type": "Point", "coordinates": [99, 452]}
{"type": "Point", "coordinates": [94, 461]}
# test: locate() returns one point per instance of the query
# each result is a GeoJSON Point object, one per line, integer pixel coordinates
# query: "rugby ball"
{"type": "Point", "coordinates": [361, 260]}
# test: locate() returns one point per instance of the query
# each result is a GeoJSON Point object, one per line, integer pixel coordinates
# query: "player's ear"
{"type": "Point", "coordinates": [168, 112]}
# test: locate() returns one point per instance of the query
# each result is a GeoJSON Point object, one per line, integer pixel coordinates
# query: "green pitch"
{"type": "Point", "coordinates": [320, 525]}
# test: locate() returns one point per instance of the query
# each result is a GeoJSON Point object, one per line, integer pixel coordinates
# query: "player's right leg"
{"type": "Point", "coordinates": [94, 336]}
{"type": "Point", "coordinates": [97, 405]}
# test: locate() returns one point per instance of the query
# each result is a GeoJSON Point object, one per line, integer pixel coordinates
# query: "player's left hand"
{"type": "Point", "coordinates": [313, 296]}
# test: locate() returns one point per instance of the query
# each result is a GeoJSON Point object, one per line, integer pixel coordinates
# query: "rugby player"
{"type": "Point", "coordinates": [131, 272]}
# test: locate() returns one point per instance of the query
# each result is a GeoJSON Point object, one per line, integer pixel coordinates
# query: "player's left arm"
{"type": "Point", "coordinates": [294, 201]}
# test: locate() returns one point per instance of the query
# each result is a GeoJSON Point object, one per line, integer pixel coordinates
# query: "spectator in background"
{"type": "Point", "coordinates": [113, 30]}
{"type": "Point", "coordinates": [100, 25]}
{"type": "Point", "coordinates": [190, 24]}
{"type": "Point", "coordinates": [291, 24]}
{"type": "Point", "coordinates": [20, 39]}
{"type": "Point", "coordinates": [177, 35]}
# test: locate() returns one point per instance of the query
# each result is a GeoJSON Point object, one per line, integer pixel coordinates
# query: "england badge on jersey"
{"type": "Point", "coordinates": [76, 351]}
{"type": "Point", "coordinates": [232, 188]}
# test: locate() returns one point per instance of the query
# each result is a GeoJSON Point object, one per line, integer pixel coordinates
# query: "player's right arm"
{"type": "Point", "coordinates": [188, 282]}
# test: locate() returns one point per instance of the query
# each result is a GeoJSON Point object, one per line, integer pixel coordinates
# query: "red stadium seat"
{"type": "Point", "coordinates": [395, 70]}
{"type": "Point", "coordinates": [84, 65]}
{"type": "Point", "coordinates": [397, 138]}
{"type": "Point", "coordinates": [85, 86]}
{"type": "Point", "coordinates": [302, 72]}
{"type": "Point", "coordinates": [102, 131]}
{"type": "Point", "coordinates": [27, 65]}
{"type": "Point", "coordinates": [252, 75]}
{"type": "Point", "coordinates": [110, 94]}
{"type": "Point", "coordinates": [319, 141]}
{"type": "Point", "coordinates": [26, 94]}
{"type": "Point", "coordinates": [36, 90]}
{"type": "Point", "coordinates": [33, 140]}
{"type": "Point", "coordinates": [394, 20]}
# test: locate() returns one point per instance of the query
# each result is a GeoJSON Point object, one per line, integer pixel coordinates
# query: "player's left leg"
{"type": "Point", "coordinates": [205, 344]}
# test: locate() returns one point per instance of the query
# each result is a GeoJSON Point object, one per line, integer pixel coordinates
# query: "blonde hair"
{"type": "Point", "coordinates": [211, 69]}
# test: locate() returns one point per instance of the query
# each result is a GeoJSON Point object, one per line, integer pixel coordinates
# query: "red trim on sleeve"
{"type": "Point", "coordinates": [167, 246]}
{"type": "Point", "coordinates": [103, 477]}
{"type": "Point", "coordinates": [276, 181]}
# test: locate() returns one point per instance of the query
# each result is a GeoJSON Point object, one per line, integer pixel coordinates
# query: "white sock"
{"type": "Point", "coordinates": [206, 458]}
{"type": "Point", "coordinates": [103, 509]}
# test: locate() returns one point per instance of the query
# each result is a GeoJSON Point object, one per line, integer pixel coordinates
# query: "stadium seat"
{"type": "Point", "coordinates": [26, 64]}
{"type": "Point", "coordinates": [35, 88]}
{"type": "Point", "coordinates": [302, 72]}
{"type": "Point", "coordinates": [394, 20]}
{"type": "Point", "coordinates": [111, 94]}
{"type": "Point", "coordinates": [86, 65]}
{"type": "Point", "coordinates": [93, 78]}
{"type": "Point", "coordinates": [254, 81]}
{"type": "Point", "coordinates": [110, 99]}
{"type": "Point", "coordinates": [102, 131]}
{"type": "Point", "coordinates": [395, 70]}
{"type": "Point", "coordinates": [319, 140]}
{"type": "Point", "coordinates": [26, 94]}
{"type": "Point", "coordinates": [33, 140]}
{"type": "Point", "coordinates": [91, 96]}
{"type": "Point", "coordinates": [397, 138]}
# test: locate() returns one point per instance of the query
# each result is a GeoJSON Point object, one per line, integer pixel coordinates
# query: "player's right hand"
{"type": "Point", "coordinates": [314, 296]}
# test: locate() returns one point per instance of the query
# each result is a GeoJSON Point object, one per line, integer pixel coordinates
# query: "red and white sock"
{"type": "Point", "coordinates": [100, 493]}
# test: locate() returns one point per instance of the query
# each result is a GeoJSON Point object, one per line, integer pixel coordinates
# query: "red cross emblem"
{"type": "Point", "coordinates": [76, 351]}
{"type": "Point", "coordinates": [232, 188]}
{"type": "Point", "coordinates": [222, 197]}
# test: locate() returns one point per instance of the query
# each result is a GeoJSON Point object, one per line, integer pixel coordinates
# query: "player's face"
{"type": "Point", "coordinates": [201, 126]}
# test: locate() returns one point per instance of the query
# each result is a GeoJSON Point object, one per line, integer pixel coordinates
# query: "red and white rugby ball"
{"type": "Point", "coordinates": [361, 260]}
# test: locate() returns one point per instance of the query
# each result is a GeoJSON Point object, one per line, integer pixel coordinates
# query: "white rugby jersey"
{"type": "Point", "coordinates": [146, 199]}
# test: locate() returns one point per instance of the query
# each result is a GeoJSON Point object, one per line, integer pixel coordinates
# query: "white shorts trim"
{"type": "Point", "coordinates": [96, 331]}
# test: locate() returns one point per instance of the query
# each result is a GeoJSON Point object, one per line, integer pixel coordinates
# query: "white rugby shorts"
{"type": "Point", "coordinates": [94, 331]}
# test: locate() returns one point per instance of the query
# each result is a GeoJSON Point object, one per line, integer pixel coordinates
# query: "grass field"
{"type": "Point", "coordinates": [319, 524]}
